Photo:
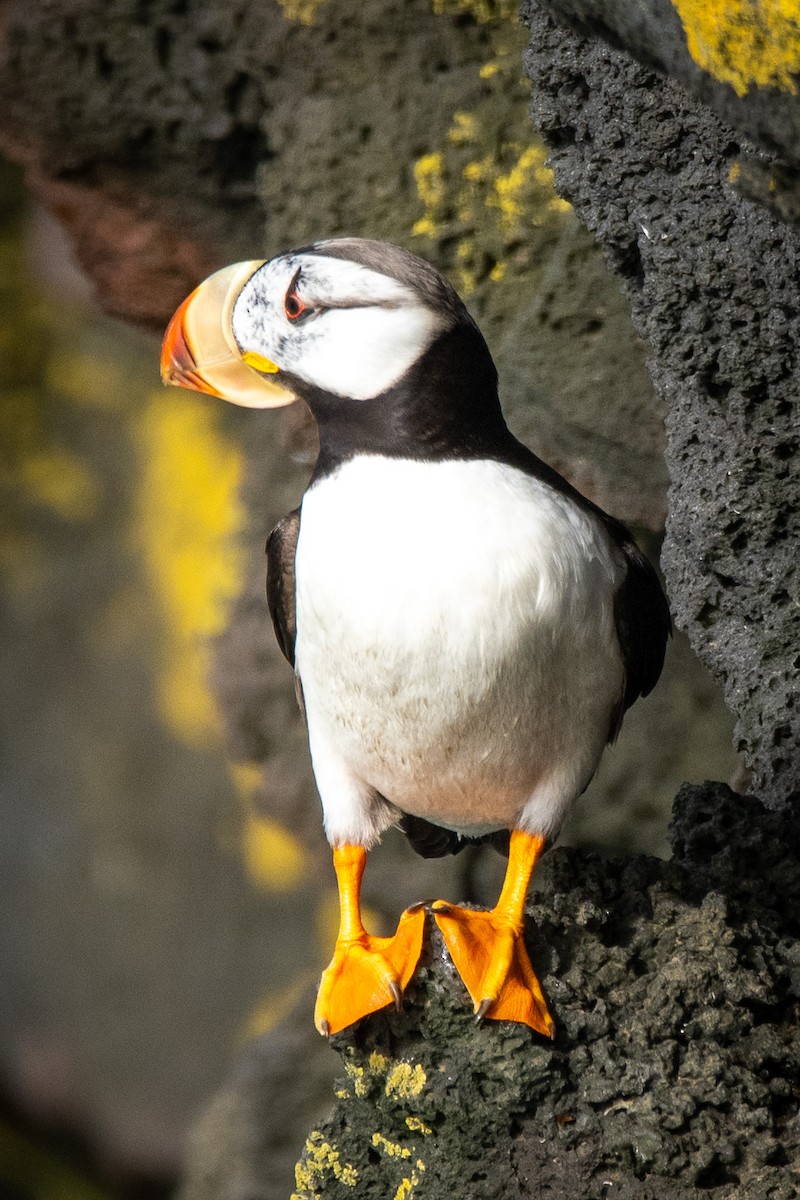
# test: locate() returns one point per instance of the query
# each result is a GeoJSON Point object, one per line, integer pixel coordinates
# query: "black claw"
{"type": "Point", "coordinates": [483, 1009]}
{"type": "Point", "coordinates": [397, 995]}
{"type": "Point", "coordinates": [324, 1028]}
{"type": "Point", "coordinates": [441, 906]}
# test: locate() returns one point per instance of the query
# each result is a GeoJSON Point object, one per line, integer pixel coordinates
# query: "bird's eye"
{"type": "Point", "coordinates": [293, 306]}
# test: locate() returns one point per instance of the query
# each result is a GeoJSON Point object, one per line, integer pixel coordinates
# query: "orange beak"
{"type": "Point", "coordinates": [199, 350]}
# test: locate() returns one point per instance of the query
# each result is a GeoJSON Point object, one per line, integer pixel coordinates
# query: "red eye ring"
{"type": "Point", "coordinates": [293, 306]}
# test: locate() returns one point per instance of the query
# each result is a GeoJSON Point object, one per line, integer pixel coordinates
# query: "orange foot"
{"type": "Point", "coordinates": [488, 950]}
{"type": "Point", "coordinates": [366, 973]}
{"type": "Point", "coordinates": [490, 956]}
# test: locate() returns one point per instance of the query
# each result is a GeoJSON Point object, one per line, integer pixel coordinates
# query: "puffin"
{"type": "Point", "coordinates": [466, 629]}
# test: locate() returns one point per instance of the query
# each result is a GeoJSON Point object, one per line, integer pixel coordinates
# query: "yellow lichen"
{"type": "Point", "coordinates": [302, 11]}
{"type": "Point", "coordinates": [246, 776]}
{"type": "Point", "coordinates": [357, 1074]}
{"type": "Point", "coordinates": [744, 43]}
{"type": "Point", "coordinates": [484, 11]}
{"type": "Point", "coordinates": [464, 128]}
{"type": "Point", "coordinates": [511, 190]}
{"type": "Point", "coordinates": [321, 1159]}
{"type": "Point", "coordinates": [393, 1149]}
{"type": "Point", "coordinates": [508, 188]}
{"type": "Point", "coordinates": [86, 380]}
{"type": "Point", "coordinates": [273, 857]}
{"type": "Point", "coordinates": [378, 1062]}
{"type": "Point", "coordinates": [429, 179]}
{"type": "Point", "coordinates": [406, 1081]}
{"type": "Point", "coordinates": [486, 191]}
{"type": "Point", "coordinates": [272, 1011]}
{"type": "Point", "coordinates": [416, 1125]}
{"type": "Point", "coordinates": [188, 516]}
{"type": "Point", "coordinates": [483, 188]}
{"type": "Point", "coordinates": [408, 1184]}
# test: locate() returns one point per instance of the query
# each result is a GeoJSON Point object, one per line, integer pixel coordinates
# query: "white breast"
{"type": "Point", "coordinates": [455, 642]}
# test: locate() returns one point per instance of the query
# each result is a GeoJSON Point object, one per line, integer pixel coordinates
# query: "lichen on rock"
{"type": "Point", "coordinates": [675, 1063]}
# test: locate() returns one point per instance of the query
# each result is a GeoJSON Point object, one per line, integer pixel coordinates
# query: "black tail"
{"type": "Point", "coordinates": [431, 841]}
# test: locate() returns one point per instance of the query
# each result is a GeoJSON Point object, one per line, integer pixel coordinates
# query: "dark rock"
{"type": "Point", "coordinates": [713, 284]}
{"type": "Point", "coordinates": [741, 60]}
{"type": "Point", "coordinates": [674, 1069]}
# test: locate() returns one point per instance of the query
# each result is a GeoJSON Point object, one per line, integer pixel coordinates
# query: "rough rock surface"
{"type": "Point", "coordinates": [713, 283]}
{"type": "Point", "coordinates": [673, 1073]}
{"type": "Point", "coordinates": [742, 60]}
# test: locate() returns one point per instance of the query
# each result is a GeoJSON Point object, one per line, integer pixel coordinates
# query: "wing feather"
{"type": "Point", "coordinates": [281, 550]}
{"type": "Point", "coordinates": [643, 624]}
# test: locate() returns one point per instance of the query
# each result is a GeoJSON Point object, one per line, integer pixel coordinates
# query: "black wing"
{"type": "Point", "coordinates": [281, 549]}
{"type": "Point", "coordinates": [643, 623]}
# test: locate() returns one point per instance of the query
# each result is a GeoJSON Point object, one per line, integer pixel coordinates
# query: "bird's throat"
{"type": "Point", "coordinates": [445, 407]}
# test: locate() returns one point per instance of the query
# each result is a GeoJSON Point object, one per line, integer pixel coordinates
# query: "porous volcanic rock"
{"type": "Point", "coordinates": [714, 284]}
{"type": "Point", "coordinates": [673, 1072]}
{"type": "Point", "coordinates": [742, 60]}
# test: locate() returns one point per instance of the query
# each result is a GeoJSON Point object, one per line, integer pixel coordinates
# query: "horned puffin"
{"type": "Point", "coordinates": [466, 629]}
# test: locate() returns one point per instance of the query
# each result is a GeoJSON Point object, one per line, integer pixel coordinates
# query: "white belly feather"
{"type": "Point", "coordinates": [456, 645]}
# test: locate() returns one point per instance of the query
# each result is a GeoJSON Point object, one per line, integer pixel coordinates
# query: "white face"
{"type": "Point", "coordinates": [333, 323]}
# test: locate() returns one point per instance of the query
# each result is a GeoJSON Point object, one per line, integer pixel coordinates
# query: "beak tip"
{"type": "Point", "coordinates": [172, 368]}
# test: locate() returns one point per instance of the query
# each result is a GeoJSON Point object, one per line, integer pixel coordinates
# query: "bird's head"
{"type": "Point", "coordinates": [347, 318]}
{"type": "Point", "coordinates": [373, 338]}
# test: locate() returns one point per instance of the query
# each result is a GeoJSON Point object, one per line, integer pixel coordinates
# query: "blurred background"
{"type": "Point", "coordinates": [168, 900]}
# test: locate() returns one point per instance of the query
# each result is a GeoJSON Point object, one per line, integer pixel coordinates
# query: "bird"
{"type": "Point", "coordinates": [467, 630]}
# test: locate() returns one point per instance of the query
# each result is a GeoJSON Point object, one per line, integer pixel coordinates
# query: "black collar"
{"type": "Point", "coordinates": [445, 407]}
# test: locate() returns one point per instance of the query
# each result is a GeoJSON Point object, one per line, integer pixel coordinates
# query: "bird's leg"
{"type": "Point", "coordinates": [488, 950]}
{"type": "Point", "coordinates": [366, 973]}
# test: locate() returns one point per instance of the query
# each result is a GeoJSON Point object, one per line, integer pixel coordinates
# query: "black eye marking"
{"type": "Point", "coordinates": [293, 306]}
